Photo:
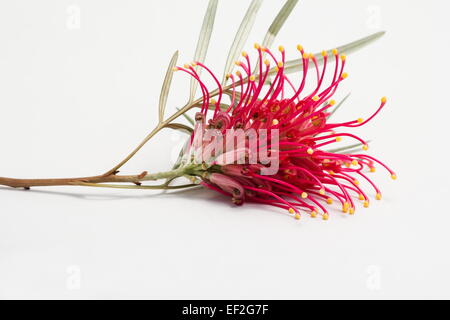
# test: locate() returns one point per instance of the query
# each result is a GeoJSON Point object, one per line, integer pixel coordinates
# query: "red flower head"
{"type": "Point", "coordinates": [308, 174]}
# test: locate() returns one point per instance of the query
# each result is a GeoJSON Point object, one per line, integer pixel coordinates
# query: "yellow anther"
{"type": "Point", "coordinates": [331, 172]}
{"type": "Point", "coordinates": [310, 151]}
{"type": "Point", "coordinates": [356, 182]}
{"type": "Point", "coordinates": [306, 56]}
{"type": "Point", "coordinates": [383, 100]}
{"type": "Point", "coordinates": [332, 102]}
{"type": "Point", "coordinates": [345, 207]}
{"type": "Point", "coordinates": [366, 204]}
{"type": "Point", "coordinates": [338, 139]}
{"type": "Point", "coordinates": [365, 147]}
{"type": "Point", "coordinates": [193, 63]}
{"type": "Point", "coordinates": [394, 177]}
{"type": "Point", "coordinates": [344, 75]}
{"type": "Point", "coordinates": [378, 196]}
{"type": "Point", "coordinates": [252, 78]}
{"type": "Point", "coordinates": [275, 122]}
{"type": "Point", "coordinates": [264, 49]}
{"type": "Point", "coordinates": [322, 191]}
{"type": "Point", "coordinates": [297, 216]}
{"type": "Point", "coordinates": [238, 73]}
{"type": "Point", "coordinates": [186, 66]}
{"type": "Point", "coordinates": [373, 169]}
{"type": "Point", "coordinates": [316, 98]}
{"type": "Point", "coordinates": [175, 69]}
{"type": "Point", "coordinates": [304, 195]}
{"type": "Point", "coordinates": [280, 64]}
{"type": "Point", "coordinates": [343, 57]}
{"type": "Point", "coordinates": [228, 75]}
{"type": "Point", "coordinates": [313, 214]}
{"type": "Point", "coordinates": [335, 52]}
{"type": "Point", "coordinates": [281, 48]}
{"type": "Point", "coordinates": [347, 164]}
{"type": "Point", "coordinates": [244, 54]}
{"type": "Point", "coordinates": [360, 120]}
{"type": "Point", "coordinates": [325, 216]}
{"type": "Point", "coordinates": [324, 53]}
{"type": "Point", "coordinates": [291, 211]}
{"type": "Point", "coordinates": [330, 201]}
{"type": "Point", "coordinates": [351, 211]}
{"type": "Point", "coordinates": [238, 63]}
{"type": "Point", "coordinates": [267, 62]}
{"type": "Point", "coordinates": [299, 48]}
{"type": "Point", "coordinates": [257, 46]}
{"type": "Point", "coordinates": [361, 197]}
{"type": "Point", "coordinates": [355, 162]}
{"type": "Point", "coordinates": [212, 101]}
{"type": "Point", "coordinates": [311, 56]}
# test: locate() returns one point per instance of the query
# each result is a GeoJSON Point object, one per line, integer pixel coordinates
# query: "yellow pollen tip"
{"type": "Point", "coordinates": [238, 73]}
{"type": "Point", "coordinates": [373, 169]}
{"type": "Point", "coordinates": [280, 64]}
{"type": "Point", "coordinates": [297, 216]}
{"type": "Point", "coordinates": [311, 56]}
{"type": "Point", "coordinates": [299, 48]}
{"type": "Point", "coordinates": [291, 211]}
{"type": "Point", "coordinates": [338, 139]}
{"type": "Point", "coordinates": [310, 151]}
{"type": "Point", "coordinates": [264, 49]}
{"type": "Point", "coordinates": [316, 98]}
{"type": "Point", "coordinates": [304, 195]}
{"type": "Point", "coordinates": [322, 191]}
{"type": "Point", "coordinates": [313, 214]}
{"type": "Point", "coordinates": [345, 206]}
{"type": "Point", "coordinates": [343, 57]}
{"type": "Point", "coordinates": [365, 147]}
{"type": "Point", "coordinates": [257, 46]}
{"type": "Point", "coordinates": [267, 62]}
{"type": "Point", "coordinates": [394, 177]}
{"type": "Point", "coordinates": [275, 122]}
{"type": "Point", "coordinates": [332, 102]}
{"type": "Point", "coordinates": [281, 48]}
{"type": "Point", "coordinates": [352, 211]}
{"type": "Point", "coordinates": [361, 197]}
{"type": "Point", "coordinates": [175, 69]}
{"type": "Point", "coordinates": [252, 78]}
{"type": "Point", "coordinates": [335, 52]}
{"type": "Point", "coordinates": [244, 54]}
{"type": "Point", "coordinates": [383, 100]}
{"type": "Point", "coordinates": [306, 55]}
{"type": "Point", "coordinates": [325, 216]}
{"type": "Point", "coordinates": [356, 182]}
{"type": "Point", "coordinates": [347, 164]}
{"type": "Point", "coordinates": [344, 75]}
{"type": "Point", "coordinates": [360, 120]}
{"type": "Point", "coordinates": [186, 66]}
{"type": "Point", "coordinates": [366, 204]}
{"type": "Point", "coordinates": [355, 162]}
{"type": "Point", "coordinates": [378, 196]}
{"type": "Point", "coordinates": [324, 53]}
{"type": "Point", "coordinates": [238, 63]}
{"type": "Point", "coordinates": [330, 201]}
{"type": "Point", "coordinates": [212, 101]}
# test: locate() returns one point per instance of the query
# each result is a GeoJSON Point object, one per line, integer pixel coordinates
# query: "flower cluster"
{"type": "Point", "coordinates": [310, 175]}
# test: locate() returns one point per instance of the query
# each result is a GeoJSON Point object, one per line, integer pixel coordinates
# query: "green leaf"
{"type": "Point", "coordinates": [188, 118]}
{"type": "Point", "coordinates": [278, 22]}
{"type": "Point", "coordinates": [203, 41]}
{"type": "Point", "coordinates": [338, 105]}
{"type": "Point", "coordinates": [179, 126]}
{"type": "Point", "coordinates": [241, 36]}
{"type": "Point", "coordinates": [166, 86]}
{"type": "Point", "coordinates": [348, 149]}
{"type": "Point", "coordinates": [296, 65]}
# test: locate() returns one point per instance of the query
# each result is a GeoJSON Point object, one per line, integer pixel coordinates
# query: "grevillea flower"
{"type": "Point", "coordinates": [310, 176]}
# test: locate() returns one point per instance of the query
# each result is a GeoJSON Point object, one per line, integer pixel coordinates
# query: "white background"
{"type": "Point", "coordinates": [75, 100]}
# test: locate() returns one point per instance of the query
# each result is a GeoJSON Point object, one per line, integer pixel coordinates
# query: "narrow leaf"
{"type": "Point", "coordinates": [180, 126]}
{"type": "Point", "coordinates": [166, 86]}
{"type": "Point", "coordinates": [338, 105]}
{"type": "Point", "coordinates": [241, 36]}
{"type": "Point", "coordinates": [278, 22]}
{"type": "Point", "coordinates": [348, 149]}
{"type": "Point", "coordinates": [188, 118]}
{"type": "Point", "coordinates": [203, 41]}
{"type": "Point", "coordinates": [295, 65]}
